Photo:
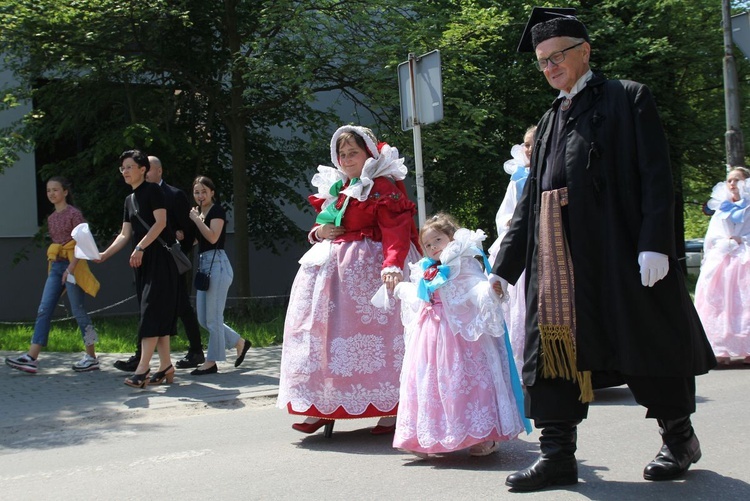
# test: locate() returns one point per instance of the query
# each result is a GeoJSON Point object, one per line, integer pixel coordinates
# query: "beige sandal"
{"type": "Point", "coordinates": [485, 448]}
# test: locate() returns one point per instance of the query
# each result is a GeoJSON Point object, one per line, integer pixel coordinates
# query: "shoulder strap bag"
{"type": "Point", "coordinates": [181, 260]}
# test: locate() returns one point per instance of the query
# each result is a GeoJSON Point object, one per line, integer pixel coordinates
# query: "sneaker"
{"type": "Point", "coordinates": [23, 363]}
{"type": "Point", "coordinates": [87, 363]}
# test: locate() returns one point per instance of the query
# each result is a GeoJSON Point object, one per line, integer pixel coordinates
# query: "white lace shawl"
{"type": "Point", "coordinates": [470, 306]}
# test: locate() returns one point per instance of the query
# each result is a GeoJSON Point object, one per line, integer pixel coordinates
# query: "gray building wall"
{"type": "Point", "coordinates": [271, 275]}
{"type": "Point", "coordinates": [271, 280]}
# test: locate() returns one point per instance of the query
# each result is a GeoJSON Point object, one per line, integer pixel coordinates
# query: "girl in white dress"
{"type": "Point", "coordinates": [723, 289]}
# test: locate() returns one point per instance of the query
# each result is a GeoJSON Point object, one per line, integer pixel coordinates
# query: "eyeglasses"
{"type": "Point", "coordinates": [123, 169]}
{"type": "Point", "coordinates": [554, 58]}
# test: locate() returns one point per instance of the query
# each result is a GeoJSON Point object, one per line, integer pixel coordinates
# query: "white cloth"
{"type": "Point", "coordinates": [503, 218]}
{"type": "Point", "coordinates": [85, 245]}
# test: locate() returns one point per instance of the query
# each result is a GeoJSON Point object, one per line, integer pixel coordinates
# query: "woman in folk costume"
{"type": "Point", "coordinates": [459, 386]}
{"type": "Point", "coordinates": [341, 355]}
{"type": "Point", "coordinates": [723, 289]}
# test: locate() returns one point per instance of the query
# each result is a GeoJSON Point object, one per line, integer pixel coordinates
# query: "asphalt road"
{"type": "Point", "coordinates": [67, 436]}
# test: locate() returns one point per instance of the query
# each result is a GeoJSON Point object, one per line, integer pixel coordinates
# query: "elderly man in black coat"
{"type": "Point", "coordinates": [606, 299]}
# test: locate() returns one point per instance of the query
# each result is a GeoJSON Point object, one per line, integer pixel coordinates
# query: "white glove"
{"type": "Point", "coordinates": [654, 267]}
{"type": "Point", "coordinates": [498, 282]}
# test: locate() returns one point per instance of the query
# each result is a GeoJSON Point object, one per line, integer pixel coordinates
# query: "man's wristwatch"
{"type": "Point", "coordinates": [139, 248]}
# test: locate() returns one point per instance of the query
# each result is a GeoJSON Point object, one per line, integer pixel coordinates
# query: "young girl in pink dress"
{"type": "Point", "coordinates": [459, 387]}
{"type": "Point", "coordinates": [722, 293]}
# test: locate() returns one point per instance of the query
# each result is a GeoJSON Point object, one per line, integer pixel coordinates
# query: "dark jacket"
{"type": "Point", "coordinates": [621, 202]}
{"type": "Point", "coordinates": [178, 215]}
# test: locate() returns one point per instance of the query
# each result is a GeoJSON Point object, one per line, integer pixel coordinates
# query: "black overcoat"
{"type": "Point", "coordinates": [621, 202]}
{"type": "Point", "coordinates": [178, 215]}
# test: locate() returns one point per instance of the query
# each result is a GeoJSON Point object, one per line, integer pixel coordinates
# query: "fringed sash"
{"type": "Point", "coordinates": [557, 315]}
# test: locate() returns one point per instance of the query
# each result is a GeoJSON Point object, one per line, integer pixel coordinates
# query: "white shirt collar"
{"type": "Point", "coordinates": [578, 87]}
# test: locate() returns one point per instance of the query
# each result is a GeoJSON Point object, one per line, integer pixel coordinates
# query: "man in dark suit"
{"type": "Point", "coordinates": [594, 232]}
{"type": "Point", "coordinates": [178, 210]}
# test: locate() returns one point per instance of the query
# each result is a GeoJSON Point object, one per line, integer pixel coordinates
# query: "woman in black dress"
{"type": "Point", "coordinates": [155, 271]}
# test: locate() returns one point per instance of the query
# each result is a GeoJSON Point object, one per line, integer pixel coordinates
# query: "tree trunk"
{"type": "Point", "coordinates": [236, 124]}
{"type": "Point", "coordinates": [239, 203]}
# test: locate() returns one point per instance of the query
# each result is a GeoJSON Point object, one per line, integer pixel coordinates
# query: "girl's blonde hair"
{"type": "Point", "coordinates": [744, 170]}
{"type": "Point", "coordinates": [442, 222]}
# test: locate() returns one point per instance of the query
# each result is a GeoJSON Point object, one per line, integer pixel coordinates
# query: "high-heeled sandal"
{"type": "Point", "coordinates": [160, 376]}
{"type": "Point", "coordinates": [138, 380]}
{"type": "Point", "coordinates": [313, 427]}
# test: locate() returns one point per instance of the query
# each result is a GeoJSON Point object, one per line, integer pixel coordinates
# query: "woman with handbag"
{"type": "Point", "coordinates": [213, 278]}
{"type": "Point", "coordinates": [156, 275]}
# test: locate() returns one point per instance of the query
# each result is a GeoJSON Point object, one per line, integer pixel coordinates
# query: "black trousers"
{"type": "Point", "coordinates": [663, 397]}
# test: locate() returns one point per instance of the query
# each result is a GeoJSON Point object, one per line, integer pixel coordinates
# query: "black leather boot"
{"type": "Point", "coordinates": [681, 449]}
{"type": "Point", "coordinates": [556, 465]}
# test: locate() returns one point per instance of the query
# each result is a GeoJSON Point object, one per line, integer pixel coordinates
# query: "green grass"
{"type": "Point", "coordinates": [117, 334]}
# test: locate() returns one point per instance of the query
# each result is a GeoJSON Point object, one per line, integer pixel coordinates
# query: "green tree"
{"type": "Point", "coordinates": [492, 93]}
{"type": "Point", "coordinates": [207, 85]}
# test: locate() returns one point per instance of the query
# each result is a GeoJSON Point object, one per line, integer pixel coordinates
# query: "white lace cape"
{"type": "Point", "coordinates": [470, 306]}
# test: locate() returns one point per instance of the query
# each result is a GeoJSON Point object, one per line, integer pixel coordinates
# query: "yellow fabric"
{"type": "Point", "coordinates": [84, 278]}
{"type": "Point", "coordinates": [556, 282]}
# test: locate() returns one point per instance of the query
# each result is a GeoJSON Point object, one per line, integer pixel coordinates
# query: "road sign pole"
{"type": "Point", "coordinates": [420, 173]}
{"type": "Point", "coordinates": [417, 132]}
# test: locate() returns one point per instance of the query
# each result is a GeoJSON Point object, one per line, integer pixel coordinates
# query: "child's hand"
{"type": "Point", "coordinates": [499, 285]}
{"type": "Point", "coordinates": [392, 279]}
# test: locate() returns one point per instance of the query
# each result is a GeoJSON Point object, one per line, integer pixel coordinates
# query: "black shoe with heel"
{"type": "Point", "coordinates": [138, 380]}
{"type": "Point", "coordinates": [159, 377]}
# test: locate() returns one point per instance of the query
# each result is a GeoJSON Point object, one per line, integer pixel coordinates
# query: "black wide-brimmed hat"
{"type": "Point", "coordinates": [550, 22]}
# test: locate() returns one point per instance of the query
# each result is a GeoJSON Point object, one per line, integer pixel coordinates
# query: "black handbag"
{"type": "Point", "coordinates": [175, 250]}
{"type": "Point", "coordinates": [203, 280]}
